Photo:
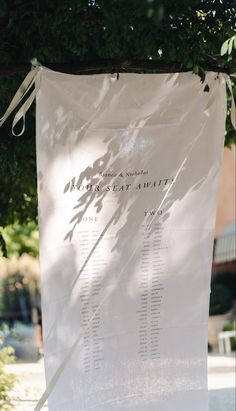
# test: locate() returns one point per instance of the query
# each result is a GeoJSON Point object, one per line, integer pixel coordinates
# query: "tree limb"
{"type": "Point", "coordinates": [111, 65]}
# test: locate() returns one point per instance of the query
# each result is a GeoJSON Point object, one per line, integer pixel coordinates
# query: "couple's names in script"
{"type": "Point", "coordinates": [124, 174]}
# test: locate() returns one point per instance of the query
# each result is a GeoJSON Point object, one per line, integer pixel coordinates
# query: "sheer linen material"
{"type": "Point", "coordinates": [127, 179]}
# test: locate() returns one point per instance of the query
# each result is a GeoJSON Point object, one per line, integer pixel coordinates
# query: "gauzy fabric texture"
{"type": "Point", "coordinates": [127, 179]}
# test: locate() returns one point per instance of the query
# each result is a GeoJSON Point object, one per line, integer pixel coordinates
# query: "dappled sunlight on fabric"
{"type": "Point", "coordinates": [118, 198]}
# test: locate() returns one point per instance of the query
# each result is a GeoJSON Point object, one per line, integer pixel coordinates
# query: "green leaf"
{"type": "Point", "coordinates": [189, 64]}
{"type": "Point", "coordinates": [196, 69]}
{"type": "Point", "coordinates": [230, 47]}
{"type": "Point", "coordinates": [150, 12]}
{"type": "Point", "coordinates": [224, 48]}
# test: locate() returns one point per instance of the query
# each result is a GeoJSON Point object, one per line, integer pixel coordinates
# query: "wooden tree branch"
{"type": "Point", "coordinates": [111, 66]}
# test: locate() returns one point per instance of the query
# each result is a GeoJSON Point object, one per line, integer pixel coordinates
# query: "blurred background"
{"type": "Point", "coordinates": [21, 352]}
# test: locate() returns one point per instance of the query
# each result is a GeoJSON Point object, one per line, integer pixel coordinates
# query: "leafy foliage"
{"type": "Point", "coordinates": [21, 239]}
{"type": "Point", "coordinates": [190, 32]}
{"type": "Point", "coordinates": [228, 45]}
{"type": "Point", "coordinates": [7, 381]}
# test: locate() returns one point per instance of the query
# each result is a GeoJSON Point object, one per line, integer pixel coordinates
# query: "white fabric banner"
{"type": "Point", "coordinates": [127, 179]}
